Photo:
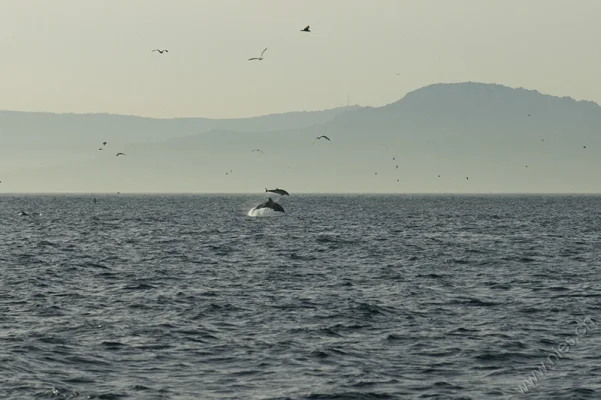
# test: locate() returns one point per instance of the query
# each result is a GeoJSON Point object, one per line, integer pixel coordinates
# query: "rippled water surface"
{"type": "Point", "coordinates": [343, 297]}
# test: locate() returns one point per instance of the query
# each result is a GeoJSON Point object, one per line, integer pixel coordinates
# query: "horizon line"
{"type": "Point", "coordinates": [68, 193]}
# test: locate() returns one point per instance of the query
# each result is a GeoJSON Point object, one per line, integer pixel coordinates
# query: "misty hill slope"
{"type": "Point", "coordinates": [47, 138]}
{"type": "Point", "coordinates": [473, 130]}
{"type": "Point", "coordinates": [475, 110]}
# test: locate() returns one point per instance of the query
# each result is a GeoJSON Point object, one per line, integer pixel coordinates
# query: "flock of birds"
{"type": "Point", "coordinates": [269, 203]}
{"type": "Point", "coordinates": [104, 145]}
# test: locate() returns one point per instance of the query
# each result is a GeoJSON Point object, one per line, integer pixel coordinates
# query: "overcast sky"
{"type": "Point", "coordinates": [95, 55]}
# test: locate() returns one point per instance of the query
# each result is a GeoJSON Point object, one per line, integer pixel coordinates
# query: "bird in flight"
{"type": "Point", "coordinates": [306, 29]}
{"type": "Point", "coordinates": [259, 150]}
{"type": "Point", "coordinates": [260, 57]}
{"type": "Point", "coordinates": [161, 51]}
{"type": "Point", "coordinates": [321, 137]}
{"type": "Point", "coordinates": [100, 148]}
{"type": "Point", "coordinates": [584, 147]}
{"type": "Point", "coordinates": [104, 143]}
{"type": "Point", "coordinates": [120, 154]}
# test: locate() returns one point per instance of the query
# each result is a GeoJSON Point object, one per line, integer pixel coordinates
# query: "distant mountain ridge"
{"type": "Point", "coordinates": [51, 138]}
{"type": "Point", "coordinates": [503, 139]}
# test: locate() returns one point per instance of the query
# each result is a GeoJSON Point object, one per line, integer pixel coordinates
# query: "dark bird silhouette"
{"type": "Point", "coordinates": [397, 167]}
{"type": "Point", "coordinates": [120, 154]}
{"type": "Point", "coordinates": [260, 57]}
{"type": "Point", "coordinates": [393, 159]}
{"type": "Point", "coordinates": [161, 51]}
{"type": "Point", "coordinates": [584, 147]}
{"type": "Point", "coordinates": [439, 176]}
{"type": "Point", "coordinates": [306, 29]}
{"type": "Point", "coordinates": [259, 150]}
{"type": "Point", "coordinates": [321, 137]}
{"type": "Point", "coordinates": [100, 148]}
{"type": "Point", "coordinates": [528, 114]}
{"type": "Point", "coordinates": [279, 191]}
{"type": "Point", "coordinates": [104, 143]}
{"type": "Point", "coordinates": [467, 178]}
{"type": "Point", "coordinates": [270, 204]}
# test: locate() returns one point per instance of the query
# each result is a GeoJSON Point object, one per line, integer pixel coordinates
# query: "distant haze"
{"type": "Point", "coordinates": [89, 56]}
{"type": "Point", "coordinates": [506, 140]}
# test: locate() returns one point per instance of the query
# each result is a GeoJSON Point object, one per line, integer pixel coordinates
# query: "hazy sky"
{"type": "Point", "coordinates": [95, 55]}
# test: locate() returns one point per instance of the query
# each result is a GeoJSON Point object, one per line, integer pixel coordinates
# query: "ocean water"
{"type": "Point", "coordinates": [343, 297]}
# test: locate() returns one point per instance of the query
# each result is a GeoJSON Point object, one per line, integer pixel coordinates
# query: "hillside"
{"type": "Point", "coordinates": [504, 139]}
{"type": "Point", "coordinates": [44, 139]}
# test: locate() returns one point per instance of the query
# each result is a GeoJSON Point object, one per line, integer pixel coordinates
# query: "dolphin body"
{"type": "Point", "coordinates": [270, 204]}
{"type": "Point", "coordinates": [281, 192]}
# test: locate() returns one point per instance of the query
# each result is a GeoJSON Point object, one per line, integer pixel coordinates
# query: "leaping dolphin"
{"type": "Point", "coordinates": [270, 204]}
{"type": "Point", "coordinates": [279, 191]}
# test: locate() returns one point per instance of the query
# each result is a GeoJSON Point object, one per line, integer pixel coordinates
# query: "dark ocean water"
{"type": "Point", "coordinates": [344, 297]}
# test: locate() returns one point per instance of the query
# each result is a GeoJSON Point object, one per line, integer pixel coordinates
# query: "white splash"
{"type": "Point", "coordinates": [264, 212]}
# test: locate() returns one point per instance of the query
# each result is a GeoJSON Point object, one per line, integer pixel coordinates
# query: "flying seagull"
{"type": "Point", "coordinates": [259, 150]}
{"type": "Point", "coordinates": [120, 154]}
{"type": "Point", "coordinates": [321, 137]}
{"type": "Point", "coordinates": [104, 143]}
{"type": "Point", "coordinates": [306, 29]}
{"type": "Point", "coordinates": [260, 57]}
{"type": "Point", "coordinates": [161, 51]}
